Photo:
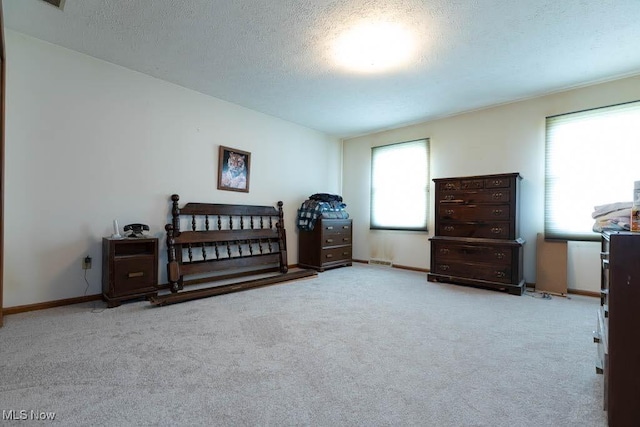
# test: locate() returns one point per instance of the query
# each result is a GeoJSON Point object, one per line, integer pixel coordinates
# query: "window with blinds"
{"type": "Point", "coordinates": [592, 158]}
{"type": "Point", "coordinates": [400, 186]}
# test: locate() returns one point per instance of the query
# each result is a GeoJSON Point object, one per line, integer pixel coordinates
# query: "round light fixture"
{"type": "Point", "coordinates": [374, 47]}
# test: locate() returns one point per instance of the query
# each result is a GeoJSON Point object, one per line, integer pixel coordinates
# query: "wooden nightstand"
{"type": "Point", "coordinates": [129, 269]}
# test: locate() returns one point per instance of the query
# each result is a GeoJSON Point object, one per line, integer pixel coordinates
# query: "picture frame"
{"type": "Point", "coordinates": [234, 168]}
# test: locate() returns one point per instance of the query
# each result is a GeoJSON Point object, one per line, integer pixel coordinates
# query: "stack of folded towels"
{"type": "Point", "coordinates": [612, 216]}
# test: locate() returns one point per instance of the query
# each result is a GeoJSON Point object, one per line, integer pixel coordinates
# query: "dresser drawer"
{"type": "Point", "coordinates": [490, 230]}
{"type": "Point", "coordinates": [463, 184]}
{"type": "Point", "coordinates": [336, 254]}
{"type": "Point", "coordinates": [336, 239]}
{"type": "Point", "coordinates": [491, 273]}
{"type": "Point", "coordinates": [474, 212]}
{"type": "Point", "coordinates": [448, 252]}
{"type": "Point", "coordinates": [336, 227]}
{"type": "Point", "coordinates": [134, 274]}
{"type": "Point", "coordinates": [601, 338]}
{"type": "Point", "coordinates": [475, 196]}
{"type": "Point", "coordinates": [497, 182]}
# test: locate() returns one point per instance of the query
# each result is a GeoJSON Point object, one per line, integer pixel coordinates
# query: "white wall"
{"type": "Point", "coordinates": [504, 139]}
{"type": "Point", "coordinates": [88, 142]}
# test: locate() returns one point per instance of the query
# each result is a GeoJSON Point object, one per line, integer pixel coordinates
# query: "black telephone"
{"type": "Point", "coordinates": [136, 229]}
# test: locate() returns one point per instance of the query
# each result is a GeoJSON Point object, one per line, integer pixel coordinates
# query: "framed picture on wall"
{"type": "Point", "coordinates": [233, 169]}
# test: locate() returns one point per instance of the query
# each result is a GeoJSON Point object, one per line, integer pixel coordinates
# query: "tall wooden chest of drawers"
{"type": "Point", "coordinates": [327, 245]}
{"type": "Point", "coordinates": [618, 326]}
{"type": "Point", "coordinates": [476, 239]}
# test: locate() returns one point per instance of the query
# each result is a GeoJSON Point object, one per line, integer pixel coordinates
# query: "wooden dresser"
{"type": "Point", "coordinates": [476, 239]}
{"type": "Point", "coordinates": [618, 327]}
{"type": "Point", "coordinates": [327, 245]}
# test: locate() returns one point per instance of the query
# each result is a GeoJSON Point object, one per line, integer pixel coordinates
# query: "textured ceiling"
{"type": "Point", "coordinates": [275, 56]}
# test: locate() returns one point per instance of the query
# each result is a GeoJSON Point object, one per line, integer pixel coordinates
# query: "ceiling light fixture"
{"type": "Point", "coordinates": [374, 47]}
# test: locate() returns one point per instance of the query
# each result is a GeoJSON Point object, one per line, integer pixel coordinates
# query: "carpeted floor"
{"type": "Point", "coordinates": [356, 346]}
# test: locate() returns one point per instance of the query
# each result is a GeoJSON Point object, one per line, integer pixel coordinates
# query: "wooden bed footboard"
{"type": "Point", "coordinates": [222, 242]}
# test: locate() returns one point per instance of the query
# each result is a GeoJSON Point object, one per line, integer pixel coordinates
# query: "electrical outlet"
{"type": "Point", "coordinates": [86, 263]}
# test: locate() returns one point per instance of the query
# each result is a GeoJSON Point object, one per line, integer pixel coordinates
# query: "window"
{"type": "Point", "coordinates": [592, 159]}
{"type": "Point", "coordinates": [400, 186]}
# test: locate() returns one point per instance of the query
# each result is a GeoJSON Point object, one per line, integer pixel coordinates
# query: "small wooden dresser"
{"type": "Point", "coordinates": [476, 239]}
{"type": "Point", "coordinates": [327, 245]}
{"type": "Point", "coordinates": [618, 327]}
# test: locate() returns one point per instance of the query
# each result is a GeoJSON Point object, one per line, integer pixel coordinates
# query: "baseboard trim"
{"type": "Point", "coordinates": [584, 293]}
{"type": "Point", "coordinates": [401, 267]}
{"type": "Point", "coordinates": [6, 311]}
{"type": "Point", "coordinates": [408, 267]}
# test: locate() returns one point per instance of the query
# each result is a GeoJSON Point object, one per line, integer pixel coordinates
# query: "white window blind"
{"type": "Point", "coordinates": [592, 159]}
{"type": "Point", "coordinates": [400, 186]}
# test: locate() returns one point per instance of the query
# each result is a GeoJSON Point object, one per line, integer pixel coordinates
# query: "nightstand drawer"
{"type": "Point", "coordinates": [134, 274]}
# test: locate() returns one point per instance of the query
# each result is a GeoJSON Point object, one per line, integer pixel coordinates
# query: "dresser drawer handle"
{"type": "Point", "coordinates": [449, 197]}
{"type": "Point", "coordinates": [497, 196]}
{"type": "Point", "coordinates": [497, 182]}
{"type": "Point", "coordinates": [345, 239]}
{"type": "Point", "coordinates": [346, 227]}
{"type": "Point", "coordinates": [497, 212]}
{"type": "Point", "coordinates": [329, 240]}
{"type": "Point", "coordinates": [444, 251]}
{"type": "Point", "coordinates": [501, 274]}
{"type": "Point", "coordinates": [449, 211]}
{"type": "Point", "coordinates": [496, 230]}
{"type": "Point", "coordinates": [499, 255]}
{"type": "Point", "coordinates": [449, 228]}
{"type": "Point", "coordinates": [450, 186]}
{"type": "Point", "coordinates": [444, 267]}
{"type": "Point", "coordinates": [137, 274]}
{"type": "Point", "coordinates": [329, 255]}
{"type": "Point", "coordinates": [345, 253]}
{"type": "Point", "coordinates": [330, 227]}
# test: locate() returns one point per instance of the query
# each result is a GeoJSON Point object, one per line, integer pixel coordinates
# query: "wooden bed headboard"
{"type": "Point", "coordinates": [223, 241]}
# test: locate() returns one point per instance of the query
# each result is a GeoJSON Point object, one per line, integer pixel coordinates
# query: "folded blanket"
{"type": "Point", "coordinates": [621, 213]}
{"type": "Point", "coordinates": [311, 210]}
{"type": "Point", "coordinates": [615, 223]}
{"type": "Point", "coordinates": [610, 207]}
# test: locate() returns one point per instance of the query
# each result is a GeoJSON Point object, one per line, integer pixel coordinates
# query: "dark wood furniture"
{"type": "Point", "coordinates": [328, 245]}
{"type": "Point", "coordinates": [129, 269]}
{"type": "Point", "coordinates": [476, 240]}
{"type": "Point", "coordinates": [618, 327]}
{"type": "Point", "coordinates": [223, 243]}
{"type": "Point", "coordinates": [2, 118]}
